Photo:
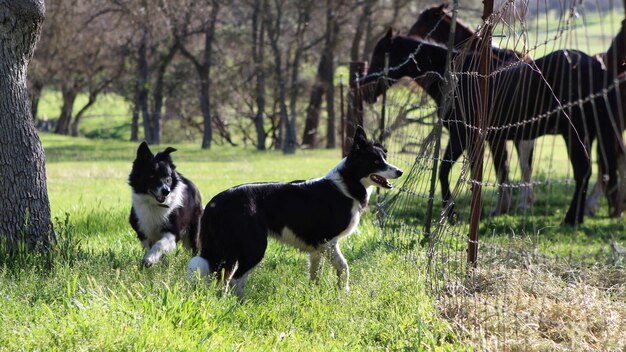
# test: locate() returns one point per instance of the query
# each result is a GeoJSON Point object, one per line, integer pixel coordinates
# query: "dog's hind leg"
{"type": "Point", "coordinates": [239, 284]}
{"type": "Point", "coordinates": [229, 272]}
{"type": "Point", "coordinates": [315, 264]}
{"type": "Point", "coordinates": [163, 246]}
{"type": "Point", "coordinates": [340, 265]}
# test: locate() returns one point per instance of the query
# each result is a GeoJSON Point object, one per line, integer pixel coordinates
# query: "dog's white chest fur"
{"type": "Point", "coordinates": [151, 216]}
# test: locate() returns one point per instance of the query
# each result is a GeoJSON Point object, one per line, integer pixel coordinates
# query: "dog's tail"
{"type": "Point", "coordinates": [198, 269]}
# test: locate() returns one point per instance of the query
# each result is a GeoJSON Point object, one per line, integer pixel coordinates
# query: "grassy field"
{"type": "Point", "coordinates": [539, 286]}
{"type": "Point", "coordinates": [96, 296]}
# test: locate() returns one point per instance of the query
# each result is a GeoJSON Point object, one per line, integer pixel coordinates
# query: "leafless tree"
{"type": "Point", "coordinates": [202, 61]}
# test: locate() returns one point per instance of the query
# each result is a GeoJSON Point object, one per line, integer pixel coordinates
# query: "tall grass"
{"type": "Point", "coordinates": [95, 295]}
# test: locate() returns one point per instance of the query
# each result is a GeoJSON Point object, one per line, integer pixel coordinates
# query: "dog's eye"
{"type": "Point", "coordinates": [168, 180]}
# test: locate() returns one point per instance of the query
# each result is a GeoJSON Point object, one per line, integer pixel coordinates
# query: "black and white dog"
{"type": "Point", "coordinates": [310, 215]}
{"type": "Point", "coordinates": [166, 206]}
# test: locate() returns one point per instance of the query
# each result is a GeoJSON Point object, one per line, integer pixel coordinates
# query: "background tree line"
{"type": "Point", "coordinates": [258, 72]}
{"type": "Point", "coordinates": [262, 70]}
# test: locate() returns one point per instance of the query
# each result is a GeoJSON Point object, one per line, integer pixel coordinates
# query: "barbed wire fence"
{"type": "Point", "coordinates": [505, 269]}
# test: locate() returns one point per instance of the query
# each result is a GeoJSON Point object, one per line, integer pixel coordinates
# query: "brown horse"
{"type": "Point", "coordinates": [566, 92]}
{"type": "Point", "coordinates": [435, 23]}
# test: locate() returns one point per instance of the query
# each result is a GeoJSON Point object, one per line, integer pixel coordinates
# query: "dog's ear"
{"type": "Point", "coordinates": [379, 145]}
{"type": "Point", "coordinates": [169, 150]}
{"type": "Point", "coordinates": [143, 152]}
{"type": "Point", "coordinates": [359, 134]}
{"type": "Point", "coordinates": [389, 34]}
{"type": "Point", "coordinates": [360, 139]}
{"type": "Point", "coordinates": [165, 155]}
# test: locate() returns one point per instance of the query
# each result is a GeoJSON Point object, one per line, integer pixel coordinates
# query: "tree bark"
{"type": "Point", "coordinates": [24, 204]}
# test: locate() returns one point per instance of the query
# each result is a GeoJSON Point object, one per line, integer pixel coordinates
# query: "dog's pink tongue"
{"type": "Point", "coordinates": [160, 199]}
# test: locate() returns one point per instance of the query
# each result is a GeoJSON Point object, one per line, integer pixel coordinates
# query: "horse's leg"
{"type": "Point", "coordinates": [591, 206]}
{"type": "Point", "coordinates": [501, 163]}
{"type": "Point", "coordinates": [525, 153]}
{"type": "Point", "coordinates": [453, 151]}
{"type": "Point", "coordinates": [581, 166]}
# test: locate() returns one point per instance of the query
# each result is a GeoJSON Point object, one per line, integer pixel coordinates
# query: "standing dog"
{"type": "Point", "coordinates": [310, 215]}
{"type": "Point", "coordinates": [166, 206]}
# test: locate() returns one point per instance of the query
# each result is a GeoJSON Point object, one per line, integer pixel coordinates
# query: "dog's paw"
{"type": "Point", "coordinates": [150, 259]}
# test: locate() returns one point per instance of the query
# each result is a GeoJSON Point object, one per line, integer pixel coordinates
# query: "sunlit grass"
{"type": "Point", "coordinates": [96, 296]}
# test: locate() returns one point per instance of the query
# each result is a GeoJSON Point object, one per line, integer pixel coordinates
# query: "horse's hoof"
{"type": "Point", "coordinates": [453, 217]}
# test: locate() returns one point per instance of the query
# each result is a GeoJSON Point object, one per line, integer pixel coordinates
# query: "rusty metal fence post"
{"type": "Point", "coordinates": [478, 147]}
{"type": "Point", "coordinates": [355, 103]}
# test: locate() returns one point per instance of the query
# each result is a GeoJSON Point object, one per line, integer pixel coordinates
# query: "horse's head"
{"type": "Point", "coordinates": [433, 23]}
{"type": "Point", "coordinates": [376, 81]}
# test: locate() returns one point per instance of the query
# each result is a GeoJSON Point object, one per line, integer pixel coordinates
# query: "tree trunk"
{"type": "Point", "coordinates": [328, 75]}
{"type": "Point", "coordinates": [330, 107]}
{"type": "Point", "coordinates": [205, 107]}
{"type": "Point", "coordinates": [157, 94]}
{"type": "Point", "coordinates": [360, 28]}
{"type": "Point", "coordinates": [34, 94]}
{"type": "Point", "coordinates": [203, 67]}
{"type": "Point", "coordinates": [142, 86]}
{"type": "Point", "coordinates": [311, 124]}
{"type": "Point", "coordinates": [69, 97]}
{"type": "Point", "coordinates": [24, 204]}
{"type": "Point", "coordinates": [134, 125]}
{"type": "Point", "coordinates": [81, 112]}
{"type": "Point", "coordinates": [290, 138]}
{"type": "Point", "coordinates": [258, 55]}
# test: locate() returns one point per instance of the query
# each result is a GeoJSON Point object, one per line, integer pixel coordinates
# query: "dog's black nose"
{"type": "Point", "coordinates": [398, 172]}
{"type": "Point", "coordinates": [165, 191]}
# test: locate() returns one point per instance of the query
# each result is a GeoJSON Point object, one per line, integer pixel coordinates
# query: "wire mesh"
{"type": "Point", "coordinates": [539, 283]}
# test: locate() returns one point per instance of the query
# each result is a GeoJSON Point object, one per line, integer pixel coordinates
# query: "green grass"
{"type": "Point", "coordinates": [96, 296]}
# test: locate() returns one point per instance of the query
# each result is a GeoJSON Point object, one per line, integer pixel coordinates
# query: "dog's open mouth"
{"type": "Point", "coordinates": [159, 199]}
{"type": "Point", "coordinates": [381, 181]}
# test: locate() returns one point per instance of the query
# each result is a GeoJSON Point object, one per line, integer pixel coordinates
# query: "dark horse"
{"type": "Point", "coordinates": [560, 93]}
{"type": "Point", "coordinates": [435, 23]}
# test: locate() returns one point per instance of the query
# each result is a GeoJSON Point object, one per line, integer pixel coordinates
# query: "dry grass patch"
{"type": "Point", "coordinates": [540, 307]}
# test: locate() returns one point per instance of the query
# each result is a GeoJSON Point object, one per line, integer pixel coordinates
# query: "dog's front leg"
{"type": "Point", "coordinates": [341, 266]}
{"type": "Point", "coordinates": [163, 246]}
{"type": "Point", "coordinates": [315, 264]}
